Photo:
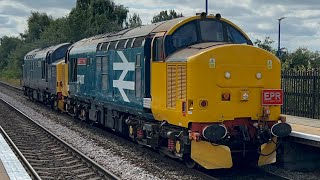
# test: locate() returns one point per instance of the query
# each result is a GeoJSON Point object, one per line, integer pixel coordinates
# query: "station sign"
{"type": "Point", "coordinates": [272, 97]}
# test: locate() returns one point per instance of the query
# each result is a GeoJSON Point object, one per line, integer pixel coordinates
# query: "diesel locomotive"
{"type": "Point", "coordinates": [193, 88]}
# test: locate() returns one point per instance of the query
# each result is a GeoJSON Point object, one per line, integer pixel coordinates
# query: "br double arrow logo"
{"type": "Point", "coordinates": [125, 67]}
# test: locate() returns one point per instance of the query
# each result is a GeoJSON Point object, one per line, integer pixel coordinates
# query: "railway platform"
{"type": "Point", "coordinates": [10, 166]}
{"type": "Point", "coordinates": [301, 150]}
{"type": "Point", "coordinates": [305, 128]}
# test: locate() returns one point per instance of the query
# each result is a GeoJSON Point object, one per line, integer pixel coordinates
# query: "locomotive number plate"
{"type": "Point", "coordinates": [272, 97]}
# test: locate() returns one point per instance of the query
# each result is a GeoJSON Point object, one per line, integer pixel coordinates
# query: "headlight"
{"type": "Point", "coordinates": [227, 75]}
{"type": "Point", "coordinates": [258, 75]}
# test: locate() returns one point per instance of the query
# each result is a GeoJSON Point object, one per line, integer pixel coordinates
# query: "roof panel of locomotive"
{"type": "Point", "coordinates": [90, 44]}
{"type": "Point", "coordinates": [42, 53]}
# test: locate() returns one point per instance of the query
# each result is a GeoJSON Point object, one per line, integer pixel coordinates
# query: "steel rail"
{"type": "Point", "coordinates": [11, 86]}
{"type": "Point", "coordinates": [96, 166]}
{"type": "Point", "coordinates": [30, 170]}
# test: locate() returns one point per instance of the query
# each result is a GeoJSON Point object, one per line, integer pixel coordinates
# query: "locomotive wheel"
{"type": "Point", "coordinates": [90, 122]}
{"type": "Point", "coordinates": [190, 163]}
{"type": "Point", "coordinates": [75, 112]}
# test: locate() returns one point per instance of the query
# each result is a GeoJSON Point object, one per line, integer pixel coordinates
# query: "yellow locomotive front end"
{"type": "Point", "coordinates": [224, 91]}
{"type": "Point", "coordinates": [225, 104]}
{"type": "Point", "coordinates": [230, 80]}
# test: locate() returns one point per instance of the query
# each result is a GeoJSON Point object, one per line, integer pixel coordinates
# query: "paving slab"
{"type": "Point", "coordinates": [3, 172]}
{"type": "Point", "coordinates": [11, 163]}
{"type": "Point", "coordinates": [304, 125]}
{"type": "Point", "coordinates": [303, 121]}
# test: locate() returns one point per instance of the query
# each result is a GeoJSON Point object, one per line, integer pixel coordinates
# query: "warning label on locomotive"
{"type": "Point", "coordinates": [272, 97]}
{"type": "Point", "coordinates": [82, 61]}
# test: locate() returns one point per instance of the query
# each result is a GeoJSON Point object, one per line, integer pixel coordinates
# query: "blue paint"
{"type": "Point", "coordinates": [92, 88]}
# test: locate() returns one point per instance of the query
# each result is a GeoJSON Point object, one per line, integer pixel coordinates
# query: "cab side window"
{"type": "Point", "coordinates": [158, 49]}
{"type": "Point", "coordinates": [211, 31]}
{"type": "Point", "coordinates": [185, 36]}
{"type": "Point", "coordinates": [235, 36]}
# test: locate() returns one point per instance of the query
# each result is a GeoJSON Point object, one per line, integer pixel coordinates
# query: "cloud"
{"type": "Point", "coordinates": [14, 13]}
{"type": "Point", "coordinates": [258, 18]}
{"type": "Point", "coordinates": [4, 20]}
{"type": "Point", "coordinates": [46, 4]}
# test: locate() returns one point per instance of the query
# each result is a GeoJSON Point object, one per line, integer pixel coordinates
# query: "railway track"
{"type": "Point", "coordinates": [48, 155]}
{"type": "Point", "coordinates": [243, 173]}
{"type": "Point", "coordinates": [11, 87]}
{"type": "Point", "coordinates": [33, 174]}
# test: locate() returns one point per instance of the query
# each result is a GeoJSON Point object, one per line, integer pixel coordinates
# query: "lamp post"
{"type": "Point", "coordinates": [206, 7]}
{"type": "Point", "coordinates": [279, 20]}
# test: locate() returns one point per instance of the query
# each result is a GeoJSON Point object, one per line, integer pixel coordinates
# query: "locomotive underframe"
{"type": "Point", "coordinates": [42, 96]}
{"type": "Point", "coordinates": [136, 125]}
{"type": "Point", "coordinates": [170, 140]}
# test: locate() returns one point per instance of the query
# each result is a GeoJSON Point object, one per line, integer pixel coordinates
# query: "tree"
{"type": "Point", "coordinates": [56, 33]}
{"type": "Point", "coordinates": [315, 60]}
{"type": "Point", "coordinates": [164, 16]}
{"type": "Point", "coordinates": [301, 57]}
{"type": "Point", "coordinates": [88, 18]}
{"type": "Point", "coordinates": [7, 46]}
{"type": "Point", "coordinates": [37, 23]}
{"type": "Point", "coordinates": [133, 21]}
{"type": "Point", "coordinates": [83, 4]}
{"type": "Point", "coordinates": [266, 44]}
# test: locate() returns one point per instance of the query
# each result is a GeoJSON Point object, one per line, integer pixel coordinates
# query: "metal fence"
{"type": "Point", "coordinates": [301, 93]}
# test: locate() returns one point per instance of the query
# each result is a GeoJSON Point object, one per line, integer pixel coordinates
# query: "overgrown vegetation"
{"type": "Point", "coordinates": [165, 15]}
{"type": "Point", "coordinates": [301, 59]}
{"type": "Point", "coordinates": [88, 18]}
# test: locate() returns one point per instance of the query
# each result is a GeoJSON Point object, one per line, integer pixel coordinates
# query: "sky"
{"type": "Point", "coordinates": [258, 18]}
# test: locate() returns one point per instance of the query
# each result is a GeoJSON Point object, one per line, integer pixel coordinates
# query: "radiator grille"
{"type": "Point", "coordinates": [63, 72]}
{"type": "Point", "coordinates": [176, 84]}
{"type": "Point", "coordinates": [182, 82]}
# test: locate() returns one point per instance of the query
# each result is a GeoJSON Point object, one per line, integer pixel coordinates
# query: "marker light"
{"type": "Point", "coordinates": [227, 75]}
{"type": "Point", "coordinates": [258, 75]}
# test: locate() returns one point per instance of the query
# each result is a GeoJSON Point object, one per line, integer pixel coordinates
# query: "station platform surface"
{"type": "Point", "coordinates": [10, 166]}
{"type": "Point", "coordinates": [304, 127]}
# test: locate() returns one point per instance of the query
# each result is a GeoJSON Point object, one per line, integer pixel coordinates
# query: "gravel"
{"type": "Point", "coordinates": [292, 174]}
{"type": "Point", "coordinates": [120, 156]}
